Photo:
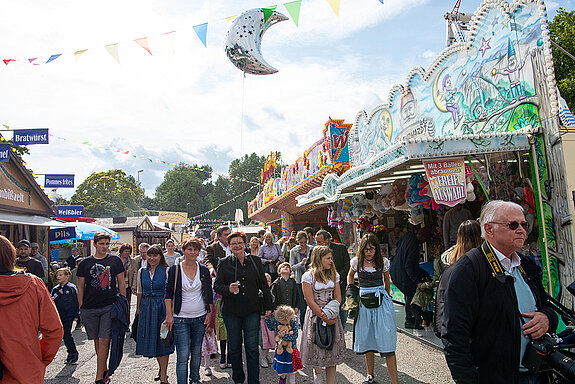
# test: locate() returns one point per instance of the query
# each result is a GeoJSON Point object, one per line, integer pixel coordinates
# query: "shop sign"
{"type": "Point", "coordinates": [4, 153]}
{"type": "Point", "coordinates": [30, 136]}
{"type": "Point", "coordinates": [70, 210]}
{"type": "Point", "coordinates": [173, 217]}
{"type": "Point", "coordinates": [58, 181]}
{"type": "Point", "coordinates": [447, 180]}
{"type": "Point", "coordinates": [62, 233]}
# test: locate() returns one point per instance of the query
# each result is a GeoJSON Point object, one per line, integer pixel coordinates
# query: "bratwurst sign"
{"type": "Point", "coordinates": [447, 180]}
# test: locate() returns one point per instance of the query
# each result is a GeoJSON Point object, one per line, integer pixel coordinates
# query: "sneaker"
{"type": "Point", "coordinates": [263, 361]}
{"type": "Point", "coordinates": [229, 364]}
{"type": "Point", "coordinates": [368, 380]}
{"type": "Point", "coordinates": [282, 380]}
{"type": "Point", "coordinates": [208, 371]}
{"type": "Point", "coordinates": [223, 365]}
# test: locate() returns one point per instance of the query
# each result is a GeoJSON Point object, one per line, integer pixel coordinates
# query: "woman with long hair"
{"type": "Point", "coordinates": [171, 255]}
{"type": "Point", "coordinates": [26, 307]}
{"type": "Point", "coordinates": [189, 286]}
{"type": "Point", "coordinates": [321, 291]}
{"type": "Point", "coordinates": [299, 257]}
{"type": "Point", "coordinates": [375, 325]}
{"type": "Point", "coordinates": [254, 246]}
{"type": "Point", "coordinates": [151, 310]}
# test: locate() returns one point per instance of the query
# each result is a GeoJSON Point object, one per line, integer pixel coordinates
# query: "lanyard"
{"type": "Point", "coordinates": [497, 270]}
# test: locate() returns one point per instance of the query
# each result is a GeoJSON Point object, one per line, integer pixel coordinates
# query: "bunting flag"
{"type": "Point", "coordinates": [381, 1]}
{"type": "Point", "coordinates": [293, 9]}
{"type": "Point", "coordinates": [143, 42]}
{"type": "Point", "coordinates": [79, 53]}
{"type": "Point", "coordinates": [222, 204]}
{"type": "Point", "coordinates": [113, 51]}
{"type": "Point", "coordinates": [8, 61]}
{"type": "Point", "coordinates": [53, 57]}
{"type": "Point", "coordinates": [31, 61]}
{"type": "Point", "coordinates": [229, 19]}
{"type": "Point", "coordinates": [334, 4]}
{"type": "Point", "coordinates": [268, 11]}
{"type": "Point", "coordinates": [202, 32]}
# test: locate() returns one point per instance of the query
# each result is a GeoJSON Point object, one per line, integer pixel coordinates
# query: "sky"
{"type": "Point", "coordinates": [188, 103]}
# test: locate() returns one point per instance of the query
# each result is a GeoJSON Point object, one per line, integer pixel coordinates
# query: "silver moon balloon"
{"type": "Point", "coordinates": [244, 40]}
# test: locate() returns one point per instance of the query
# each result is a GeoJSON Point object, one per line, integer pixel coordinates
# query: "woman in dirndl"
{"type": "Point", "coordinates": [320, 286]}
{"type": "Point", "coordinates": [375, 324]}
{"type": "Point", "coordinates": [151, 291]}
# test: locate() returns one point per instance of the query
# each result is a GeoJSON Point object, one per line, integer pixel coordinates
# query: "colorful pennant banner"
{"type": "Point", "coordinates": [201, 30]}
{"type": "Point", "coordinates": [224, 203]}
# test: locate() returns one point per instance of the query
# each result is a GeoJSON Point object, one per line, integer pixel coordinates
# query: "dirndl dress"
{"type": "Point", "coordinates": [152, 314]}
{"type": "Point", "coordinates": [375, 329]}
{"type": "Point", "coordinates": [311, 354]}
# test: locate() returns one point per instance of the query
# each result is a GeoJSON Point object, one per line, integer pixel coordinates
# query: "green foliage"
{"type": "Point", "coordinates": [106, 194]}
{"type": "Point", "coordinates": [562, 30]}
{"type": "Point", "coordinates": [184, 189]}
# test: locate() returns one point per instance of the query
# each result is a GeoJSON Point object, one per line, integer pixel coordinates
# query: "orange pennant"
{"type": "Point", "coordinates": [143, 42]}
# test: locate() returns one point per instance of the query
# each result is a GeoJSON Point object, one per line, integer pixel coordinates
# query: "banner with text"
{"type": "Point", "coordinates": [62, 233]}
{"type": "Point", "coordinates": [70, 210]}
{"type": "Point", "coordinates": [30, 136]}
{"type": "Point", "coordinates": [447, 180]}
{"type": "Point", "coordinates": [5, 153]}
{"type": "Point", "coordinates": [173, 217]}
{"type": "Point", "coordinates": [58, 181]}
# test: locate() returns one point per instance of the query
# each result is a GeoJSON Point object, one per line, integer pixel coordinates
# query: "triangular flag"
{"type": "Point", "coordinates": [268, 11]}
{"type": "Point", "coordinates": [79, 53]}
{"type": "Point", "coordinates": [143, 42]}
{"type": "Point", "coordinates": [169, 40]}
{"type": "Point", "coordinates": [31, 60]}
{"type": "Point", "coordinates": [53, 57]}
{"type": "Point", "coordinates": [293, 9]}
{"type": "Point", "coordinates": [381, 1]}
{"type": "Point", "coordinates": [202, 32]}
{"type": "Point", "coordinates": [8, 61]}
{"type": "Point", "coordinates": [113, 51]}
{"type": "Point", "coordinates": [230, 18]}
{"type": "Point", "coordinates": [6, 126]}
{"type": "Point", "coordinates": [334, 4]}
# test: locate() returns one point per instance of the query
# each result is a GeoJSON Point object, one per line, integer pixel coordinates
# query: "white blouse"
{"type": "Point", "coordinates": [355, 261]}
{"type": "Point", "coordinates": [308, 278]}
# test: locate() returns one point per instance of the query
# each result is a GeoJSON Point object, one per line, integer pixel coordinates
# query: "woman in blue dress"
{"type": "Point", "coordinates": [375, 328]}
{"type": "Point", "coordinates": [151, 292]}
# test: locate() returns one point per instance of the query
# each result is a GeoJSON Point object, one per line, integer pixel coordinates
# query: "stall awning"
{"type": "Point", "coordinates": [23, 219]}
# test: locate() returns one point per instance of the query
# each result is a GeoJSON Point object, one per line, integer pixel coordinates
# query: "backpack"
{"type": "Point", "coordinates": [480, 272]}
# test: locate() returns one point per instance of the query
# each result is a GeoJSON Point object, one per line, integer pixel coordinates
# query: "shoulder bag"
{"type": "Point", "coordinates": [166, 334]}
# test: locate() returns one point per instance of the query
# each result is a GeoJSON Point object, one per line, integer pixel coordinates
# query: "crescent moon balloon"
{"type": "Point", "coordinates": [244, 39]}
{"type": "Point", "coordinates": [438, 97]}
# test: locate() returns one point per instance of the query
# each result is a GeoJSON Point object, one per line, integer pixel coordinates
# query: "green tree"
{"type": "Point", "coordinates": [245, 168]}
{"type": "Point", "coordinates": [184, 189]}
{"type": "Point", "coordinates": [111, 193]}
{"type": "Point", "coordinates": [563, 33]}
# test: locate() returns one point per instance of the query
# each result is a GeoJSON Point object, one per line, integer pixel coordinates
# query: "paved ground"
{"type": "Point", "coordinates": [417, 363]}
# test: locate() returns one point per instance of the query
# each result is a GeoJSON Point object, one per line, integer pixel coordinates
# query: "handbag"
{"type": "Point", "coordinates": [261, 300]}
{"type": "Point", "coordinates": [324, 334]}
{"type": "Point", "coordinates": [167, 335]}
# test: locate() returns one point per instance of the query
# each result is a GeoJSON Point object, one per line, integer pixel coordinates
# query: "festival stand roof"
{"type": "Point", "coordinates": [485, 94]}
{"type": "Point", "coordinates": [326, 156]}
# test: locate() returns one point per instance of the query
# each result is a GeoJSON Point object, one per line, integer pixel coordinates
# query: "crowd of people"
{"type": "Point", "coordinates": [260, 295]}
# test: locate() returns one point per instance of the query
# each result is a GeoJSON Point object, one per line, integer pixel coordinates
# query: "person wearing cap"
{"type": "Point", "coordinates": [72, 260]}
{"type": "Point", "coordinates": [39, 257]}
{"type": "Point", "coordinates": [25, 262]}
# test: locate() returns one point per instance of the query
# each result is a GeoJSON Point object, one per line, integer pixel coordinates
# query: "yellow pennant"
{"type": "Point", "coordinates": [334, 4]}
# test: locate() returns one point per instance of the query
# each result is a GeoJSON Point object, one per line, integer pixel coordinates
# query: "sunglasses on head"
{"type": "Point", "coordinates": [513, 225]}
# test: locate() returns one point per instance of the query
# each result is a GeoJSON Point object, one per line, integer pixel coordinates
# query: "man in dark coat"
{"type": "Point", "coordinates": [218, 249]}
{"type": "Point", "coordinates": [341, 261]}
{"type": "Point", "coordinates": [494, 300]}
{"type": "Point", "coordinates": [404, 272]}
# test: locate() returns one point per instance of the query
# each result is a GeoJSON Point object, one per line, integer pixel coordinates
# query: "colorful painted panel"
{"type": "Point", "coordinates": [478, 87]}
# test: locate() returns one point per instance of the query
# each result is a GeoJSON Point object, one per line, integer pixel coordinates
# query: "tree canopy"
{"type": "Point", "coordinates": [563, 33]}
{"type": "Point", "coordinates": [111, 193]}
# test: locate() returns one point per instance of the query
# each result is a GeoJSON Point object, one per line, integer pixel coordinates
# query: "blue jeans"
{"type": "Point", "coordinates": [247, 326]}
{"type": "Point", "coordinates": [188, 337]}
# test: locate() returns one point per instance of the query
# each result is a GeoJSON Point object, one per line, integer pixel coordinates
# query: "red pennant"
{"type": "Point", "coordinates": [7, 61]}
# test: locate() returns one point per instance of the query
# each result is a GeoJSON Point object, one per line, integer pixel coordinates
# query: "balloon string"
{"type": "Point", "coordinates": [242, 121]}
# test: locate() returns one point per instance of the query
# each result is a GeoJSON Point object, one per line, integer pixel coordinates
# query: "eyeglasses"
{"type": "Point", "coordinates": [513, 225]}
{"type": "Point", "coordinates": [369, 249]}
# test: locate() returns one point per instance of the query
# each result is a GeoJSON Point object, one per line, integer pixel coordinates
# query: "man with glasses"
{"type": "Point", "coordinates": [218, 249]}
{"type": "Point", "coordinates": [495, 303]}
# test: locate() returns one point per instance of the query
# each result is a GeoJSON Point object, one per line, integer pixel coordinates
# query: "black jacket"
{"type": "Point", "coordinates": [252, 279]}
{"type": "Point", "coordinates": [214, 252]}
{"type": "Point", "coordinates": [289, 298]}
{"type": "Point", "coordinates": [66, 300]}
{"type": "Point", "coordinates": [481, 327]}
{"type": "Point", "coordinates": [404, 268]}
{"type": "Point", "coordinates": [341, 261]}
{"type": "Point", "coordinates": [207, 291]}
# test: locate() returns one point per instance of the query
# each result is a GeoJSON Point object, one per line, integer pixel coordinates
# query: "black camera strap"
{"type": "Point", "coordinates": [497, 269]}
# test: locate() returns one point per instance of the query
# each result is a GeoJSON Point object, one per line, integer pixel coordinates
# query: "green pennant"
{"type": "Point", "coordinates": [293, 9]}
{"type": "Point", "coordinates": [268, 11]}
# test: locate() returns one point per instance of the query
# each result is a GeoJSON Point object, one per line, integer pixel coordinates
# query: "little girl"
{"type": "Point", "coordinates": [286, 358]}
{"type": "Point", "coordinates": [209, 344]}
{"type": "Point", "coordinates": [267, 337]}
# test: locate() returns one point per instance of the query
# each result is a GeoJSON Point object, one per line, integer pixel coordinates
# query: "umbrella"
{"type": "Point", "coordinates": [86, 231]}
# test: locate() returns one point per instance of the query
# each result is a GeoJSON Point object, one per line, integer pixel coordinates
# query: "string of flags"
{"type": "Point", "coordinates": [293, 8]}
{"type": "Point", "coordinates": [222, 204]}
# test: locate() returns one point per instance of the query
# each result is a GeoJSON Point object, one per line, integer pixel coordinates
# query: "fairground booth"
{"type": "Point", "coordinates": [276, 203]}
{"type": "Point", "coordinates": [481, 123]}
